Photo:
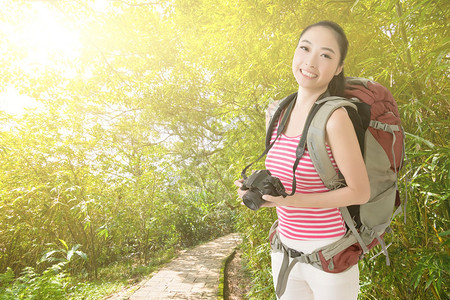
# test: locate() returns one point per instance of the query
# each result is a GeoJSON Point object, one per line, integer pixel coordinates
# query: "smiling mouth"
{"type": "Point", "coordinates": [308, 74]}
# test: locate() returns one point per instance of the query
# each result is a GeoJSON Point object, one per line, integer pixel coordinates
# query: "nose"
{"type": "Point", "coordinates": [311, 63]}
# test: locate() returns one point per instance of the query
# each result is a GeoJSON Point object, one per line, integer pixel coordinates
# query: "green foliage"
{"type": "Point", "coordinates": [51, 284]}
{"type": "Point", "coordinates": [48, 285]}
{"type": "Point", "coordinates": [60, 258]}
{"type": "Point", "coordinates": [256, 249]}
{"type": "Point", "coordinates": [140, 132]}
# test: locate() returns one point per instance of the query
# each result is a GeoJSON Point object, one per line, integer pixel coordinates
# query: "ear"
{"type": "Point", "coordinates": [339, 69]}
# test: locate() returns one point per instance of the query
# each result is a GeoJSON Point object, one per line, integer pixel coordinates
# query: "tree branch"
{"type": "Point", "coordinates": [138, 4]}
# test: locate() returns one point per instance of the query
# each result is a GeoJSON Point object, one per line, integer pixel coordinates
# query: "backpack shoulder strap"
{"type": "Point", "coordinates": [316, 141]}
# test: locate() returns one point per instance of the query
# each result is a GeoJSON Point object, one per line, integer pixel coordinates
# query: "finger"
{"type": "Point", "coordinates": [268, 204]}
{"type": "Point", "coordinates": [241, 193]}
{"type": "Point", "coordinates": [239, 182]}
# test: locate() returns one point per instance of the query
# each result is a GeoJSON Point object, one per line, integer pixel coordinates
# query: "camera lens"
{"type": "Point", "coordinates": [252, 200]}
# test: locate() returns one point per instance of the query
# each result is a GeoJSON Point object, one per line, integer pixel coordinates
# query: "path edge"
{"type": "Point", "coordinates": [223, 280]}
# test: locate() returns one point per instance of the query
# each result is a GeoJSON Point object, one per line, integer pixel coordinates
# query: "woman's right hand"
{"type": "Point", "coordinates": [240, 192]}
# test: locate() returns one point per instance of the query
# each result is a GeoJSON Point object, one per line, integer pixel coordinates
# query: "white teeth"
{"type": "Point", "coordinates": [310, 75]}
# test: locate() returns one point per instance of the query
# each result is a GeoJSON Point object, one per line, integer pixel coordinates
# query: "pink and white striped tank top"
{"type": "Point", "coordinates": [296, 222]}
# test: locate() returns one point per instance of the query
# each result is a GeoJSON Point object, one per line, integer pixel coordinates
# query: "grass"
{"type": "Point", "coordinates": [117, 277]}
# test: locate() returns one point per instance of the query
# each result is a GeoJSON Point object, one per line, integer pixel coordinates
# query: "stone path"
{"type": "Point", "coordinates": [195, 274]}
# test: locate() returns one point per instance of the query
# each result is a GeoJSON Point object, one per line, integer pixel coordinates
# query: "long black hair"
{"type": "Point", "coordinates": [336, 86]}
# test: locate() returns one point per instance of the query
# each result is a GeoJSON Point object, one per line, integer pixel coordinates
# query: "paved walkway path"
{"type": "Point", "coordinates": [195, 274]}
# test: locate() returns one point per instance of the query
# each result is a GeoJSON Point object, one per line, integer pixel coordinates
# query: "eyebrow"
{"type": "Point", "coordinates": [324, 48]}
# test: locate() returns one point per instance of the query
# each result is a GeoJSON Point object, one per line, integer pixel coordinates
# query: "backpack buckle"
{"type": "Point", "coordinates": [294, 253]}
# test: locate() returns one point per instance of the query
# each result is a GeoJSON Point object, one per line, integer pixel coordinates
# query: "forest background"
{"type": "Point", "coordinates": [125, 123]}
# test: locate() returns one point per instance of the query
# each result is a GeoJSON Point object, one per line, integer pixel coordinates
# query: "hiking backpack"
{"type": "Point", "coordinates": [374, 114]}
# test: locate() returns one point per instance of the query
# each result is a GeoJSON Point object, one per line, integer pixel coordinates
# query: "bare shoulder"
{"type": "Point", "coordinates": [339, 120]}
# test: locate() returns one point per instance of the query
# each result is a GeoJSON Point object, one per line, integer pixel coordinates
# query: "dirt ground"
{"type": "Point", "coordinates": [238, 280]}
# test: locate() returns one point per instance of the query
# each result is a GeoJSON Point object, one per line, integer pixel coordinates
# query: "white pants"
{"type": "Point", "coordinates": [306, 282]}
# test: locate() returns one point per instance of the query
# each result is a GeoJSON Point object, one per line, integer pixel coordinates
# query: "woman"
{"type": "Point", "coordinates": [310, 218]}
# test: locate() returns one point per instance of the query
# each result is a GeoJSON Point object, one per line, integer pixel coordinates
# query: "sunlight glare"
{"type": "Point", "coordinates": [41, 38]}
{"type": "Point", "coordinates": [13, 103]}
{"type": "Point", "coordinates": [45, 35]}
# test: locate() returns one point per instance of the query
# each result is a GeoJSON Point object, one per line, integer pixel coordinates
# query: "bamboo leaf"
{"type": "Point", "coordinates": [420, 139]}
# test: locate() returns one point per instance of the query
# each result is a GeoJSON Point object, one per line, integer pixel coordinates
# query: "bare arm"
{"type": "Point", "coordinates": [343, 142]}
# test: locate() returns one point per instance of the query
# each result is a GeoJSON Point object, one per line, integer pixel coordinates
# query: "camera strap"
{"type": "Point", "coordinates": [279, 132]}
{"type": "Point", "coordinates": [302, 143]}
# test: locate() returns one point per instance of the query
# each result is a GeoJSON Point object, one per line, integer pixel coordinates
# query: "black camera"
{"type": "Point", "coordinates": [261, 183]}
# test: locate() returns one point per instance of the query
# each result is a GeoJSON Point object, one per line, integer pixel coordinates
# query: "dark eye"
{"type": "Point", "coordinates": [326, 56]}
{"type": "Point", "coordinates": [304, 48]}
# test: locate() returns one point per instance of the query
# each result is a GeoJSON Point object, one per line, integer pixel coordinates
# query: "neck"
{"type": "Point", "coordinates": [308, 96]}
{"type": "Point", "coordinates": [305, 100]}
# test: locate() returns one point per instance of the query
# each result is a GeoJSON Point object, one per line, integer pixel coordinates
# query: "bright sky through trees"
{"type": "Point", "coordinates": [43, 39]}
{"type": "Point", "coordinates": [13, 103]}
{"type": "Point", "coordinates": [43, 35]}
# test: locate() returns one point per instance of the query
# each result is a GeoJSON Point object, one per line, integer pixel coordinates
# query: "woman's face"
{"type": "Point", "coordinates": [316, 59]}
